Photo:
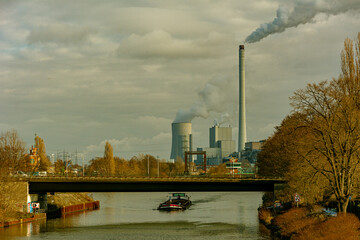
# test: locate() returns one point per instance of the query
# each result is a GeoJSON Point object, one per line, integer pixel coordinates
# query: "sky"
{"type": "Point", "coordinates": [80, 73]}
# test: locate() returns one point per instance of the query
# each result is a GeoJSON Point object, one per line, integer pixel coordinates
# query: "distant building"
{"type": "Point", "coordinates": [251, 151]}
{"type": "Point", "coordinates": [34, 157]}
{"type": "Point", "coordinates": [220, 145]}
{"type": "Point", "coordinates": [234, 166]}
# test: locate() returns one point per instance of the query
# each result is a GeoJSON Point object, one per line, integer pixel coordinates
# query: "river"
{"type": "Point", "coordinates": [213, 215]}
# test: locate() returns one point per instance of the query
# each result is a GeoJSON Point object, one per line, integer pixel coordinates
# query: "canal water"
{"type": "Point", "coordinates": [213, 215]}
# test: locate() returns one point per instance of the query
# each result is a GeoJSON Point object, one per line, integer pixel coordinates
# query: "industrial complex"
{"type": "Point", "coordinates": [221, 147]}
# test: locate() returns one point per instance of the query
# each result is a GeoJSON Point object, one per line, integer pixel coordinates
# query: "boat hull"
{"type": "Point", "coordinates": [174, 206]}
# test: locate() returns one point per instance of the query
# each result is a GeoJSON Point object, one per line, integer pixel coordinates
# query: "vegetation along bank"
{"type": "Point", "coordinates": [317, 150]}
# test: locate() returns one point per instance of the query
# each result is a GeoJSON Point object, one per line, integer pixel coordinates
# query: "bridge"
{"type": "Point", "coordinates": [144, 184]}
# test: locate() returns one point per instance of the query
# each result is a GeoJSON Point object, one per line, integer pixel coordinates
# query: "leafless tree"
{"type": "Point", "coordinates": [109, 158]}
{"type": "Point", "coordinates": [332, 122]}
{"type": "Point", "coordinates": [12, 152]}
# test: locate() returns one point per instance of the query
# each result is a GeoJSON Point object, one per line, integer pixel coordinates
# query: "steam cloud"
{"type": "Point", "coordinates": [216, 96]}
{"type": "Point", "coordinates": [303, 12]}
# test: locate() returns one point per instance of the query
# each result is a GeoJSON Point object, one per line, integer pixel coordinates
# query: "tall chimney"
{"type": "Point", "coordinates": [242, 115]}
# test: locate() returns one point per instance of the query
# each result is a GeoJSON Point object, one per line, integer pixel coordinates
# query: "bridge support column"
{"type": "Point", "coordinates": [42, 198]}
{"type": "Point", "coordinates": [278, 187]}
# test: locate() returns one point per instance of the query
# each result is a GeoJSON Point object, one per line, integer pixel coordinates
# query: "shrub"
{"type": "Point", "coordinates": [342, 227]}
{"type": "Point", "coordinates": [265, 216]}
{"type": "Point", "coordinates": [294, 221]}
{"type": "Point", "coordinates": [289, 216]}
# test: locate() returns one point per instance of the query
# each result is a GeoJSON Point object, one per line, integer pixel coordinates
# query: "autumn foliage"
{"type": "Point", "coordinates": [342, 227]}
{"type": "Point", "coordinates": [12, 153]}
{"type": "Point", "coordinates": [294, 221]}
{"type": "Point", "coordinates": [317, 147]}
{"type": "Point", "coordinates": [142, 165]}
{"type": "Point", "coordinates": [302, 224]}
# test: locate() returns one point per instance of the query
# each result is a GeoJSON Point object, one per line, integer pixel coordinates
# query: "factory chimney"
{"type": "Point", "coordinates": [242, 115]}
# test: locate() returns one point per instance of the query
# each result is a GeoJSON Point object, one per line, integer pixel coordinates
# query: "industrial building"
{"type": "Point", "coordinates": [242, 112]}
{"type": "Point", "coordinates": [251, 151]}
{"type": "Point", "coordinates": [221, 145]}
{"type": "Point", "coordinates": [181, 140]}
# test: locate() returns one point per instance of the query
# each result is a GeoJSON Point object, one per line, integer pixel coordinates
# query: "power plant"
{"type": "Point", "coordinates": [242, 114]}
{"type": "Point", "coordinates": [221, 145]}
{"type": "Point", "coordinates": [221, 142]}
{"type": "Point", "coordinates": [181, 139]}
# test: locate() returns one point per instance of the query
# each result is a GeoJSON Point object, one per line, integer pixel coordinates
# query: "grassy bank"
{"type": "Point", "coordinates": [68, 199]}
{"type": "Point", "coordinates": [64, 203]}
{"type": "Point", "coordinates": [10, 213]}
{"type": "Point", "coordinates": [311, 223]}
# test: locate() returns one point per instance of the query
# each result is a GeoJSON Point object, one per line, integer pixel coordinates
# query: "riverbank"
{"type": "Point", "coordinates": [61, 204]}
{"type": "Point", "coordinates": [23, 219]}
{"type": "Point", "coordinates": [305, 223]}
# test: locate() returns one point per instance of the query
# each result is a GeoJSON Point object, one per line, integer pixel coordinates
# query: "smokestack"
{"type": "Point", "coordinates": [242, 116]}
{"type": "Point", "coordinates": [181, 139]}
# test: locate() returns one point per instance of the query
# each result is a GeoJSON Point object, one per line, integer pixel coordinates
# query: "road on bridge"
{"type": "Point", "coordinates": [144, 184]}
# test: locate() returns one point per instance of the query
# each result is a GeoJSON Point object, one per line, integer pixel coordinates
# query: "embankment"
{"type": "Point", "coordinates": [61, 204]}
{"type": "Point", "coordinates": [310, 223]}
{"type": "Point", "coordinates": [30, 218]}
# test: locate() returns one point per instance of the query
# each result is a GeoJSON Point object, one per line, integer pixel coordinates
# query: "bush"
{"type": "Point", "coordinates": [265, 216]}
{"type": "Point", "coordinates": [289, 216]}
{"type": "Point", "coordinates": [342, 227]}
{"type": "Point", "coordinates": [294, 220]}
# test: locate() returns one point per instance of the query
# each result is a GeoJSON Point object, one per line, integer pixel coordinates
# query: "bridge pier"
{"type": "Point", "coordinates": [278, 187]}
{"type": "Point", "coordinates": [40, 198]}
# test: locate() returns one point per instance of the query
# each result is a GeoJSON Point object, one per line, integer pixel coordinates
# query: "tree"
{"type": "Point", "coordinates": [280, 158]}
{"type": "Point", "coordinates": [218, 171]}
{"type": "Point", "coordinates": [12, 152]}
{"type": "Point", "coordinates": [179, 166]}
{"type": "Point", "coordinates": [277, 152]}
{"type": "Point", "coordinates": [44, 161]}
{"type": "Point", "coordinates": [109, 158]}
{"type": "Point", "coordinates": [332, 123]}
{"type": "Point", "coordinates": [59, 167]}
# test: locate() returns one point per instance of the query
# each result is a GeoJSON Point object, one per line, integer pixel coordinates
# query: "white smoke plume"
{"type": "Point", "coordinates": [304, 11]}
{"type": "Point", "coordinates": [216, 96]}
{"type": "Point", "coordinates": [224, 118]}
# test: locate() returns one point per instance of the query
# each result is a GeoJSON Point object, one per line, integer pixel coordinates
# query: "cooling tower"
{"type": "Point", "coordinates": [242, 116]}
{"type": "Point", "coordinates": [181, 139]}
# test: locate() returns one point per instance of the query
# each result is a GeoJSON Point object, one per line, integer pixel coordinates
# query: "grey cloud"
{"type": "Point", "coordinates": [124, 69]}
{"type": "Point", "coordinates": [160, 43]}
{"type": "Point", "coordinates": [59, 33]}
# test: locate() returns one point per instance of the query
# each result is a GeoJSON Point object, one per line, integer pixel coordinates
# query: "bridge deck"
{"type": "Point", "coordinates": [138, 184]}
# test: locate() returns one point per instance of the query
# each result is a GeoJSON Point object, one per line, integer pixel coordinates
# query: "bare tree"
{"type": "Point", "coordinates": [332, 122]}
{"type": "Point", "coordinates": [44, 161]}
{"type": "Point", "coordinates": [12, 152]}
{"type": "Point", "coordinates": [280, 158]}
{"type": "Point", "coordinates": [109, 158]}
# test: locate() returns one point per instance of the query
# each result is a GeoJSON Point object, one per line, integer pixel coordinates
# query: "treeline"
{"type": "Point", "coordinates": [317, 147]}
{"type": "Point", "coordinates": [142, 165]}
{"type": "Point", "coordinates": [15, 157]}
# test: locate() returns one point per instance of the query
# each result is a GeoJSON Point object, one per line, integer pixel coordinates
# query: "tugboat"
{"type": "Point", "coordinates": [176, 201]}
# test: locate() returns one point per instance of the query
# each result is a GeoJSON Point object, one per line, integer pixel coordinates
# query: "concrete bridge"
{"type": "Point", "coordinates": [144, 184]}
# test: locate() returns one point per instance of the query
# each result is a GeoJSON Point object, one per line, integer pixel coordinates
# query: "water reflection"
{"type": "Point", "coordinates": [134, 216]}
{"type": "Point", "coordinates": [25, 229]}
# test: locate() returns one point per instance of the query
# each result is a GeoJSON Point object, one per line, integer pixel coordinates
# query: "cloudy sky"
{"type": "Point", "coordinates": [79, 73]}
